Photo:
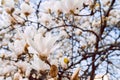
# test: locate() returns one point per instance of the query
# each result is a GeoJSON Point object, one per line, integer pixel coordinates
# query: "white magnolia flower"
{"type": "Point", "coordinates": [31, 50]}
{"type": "Point", "coordinates": [5, 21]}
{"type": "Point", "coordinates": [8, 6]}
{"type": "Point", "coordinates": [17, 17]}
{"type": "Point", "coordinates": [17, 76]}
{"type": "Point", "coordinates": [45, 19]}
{"type": "Point", "coordinates": [24, 67]}
{"type": "Point", "coordinates": [59, 54]}
{"type": "Point", "coordinates": [72, 5]}
{"type": "Point", "coordinates": [26, 8]}
{"type": "Point", "coordinates": [4, 53]}
{"type": "Point", "coordinates": [57, 7]}
{"type": "Point", "coordinates": [7, 69]}
{"type": "Point", "coordinates": [65, 6]}
{"type": "Point", "coordinates": [29, 32]}
{"type": "Point", "coordinates": [38, 64]}
{"type": "Point", "coordinates": [64, 62]}
{"type": "Point", "coordinates": [8, 3]}
{"type": "Point", "coordinates": [64, 34]}
{"type": "Point", "coordinates": [42, 30]}
{"type": "Point", "coordinates": [18, 47]}
{"type": "Point", "coordinates": [47, 6]}
{"type": "Point", "coordinates": [44, 45]}
{"type": "Point", "coordinates": [78, 32]}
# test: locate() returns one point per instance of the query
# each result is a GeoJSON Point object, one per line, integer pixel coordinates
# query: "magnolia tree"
{"type": "Point", "coordinates": [60, 40]}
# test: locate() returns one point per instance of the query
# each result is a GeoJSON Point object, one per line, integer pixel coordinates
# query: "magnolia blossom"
{"type": "Point", "coordinates": [42, 30]}
{"type": "Point", "coordinates": [5, 21]}
{"type": "Point", "coordinates": [7, 69]}
{"type": "Point", "coordinates": [64, 62]}
{"type": "Point", "coordinates": [24, 67]}
{"type": "Point", "coordinates": [17, 76]}
{"type": "Point", "coordinates": [18, 47]}
{"type": "Point", "coordinates": [8, 5]}
{"type": "Point", "coordinates": [17, 16]}
{"type": "Point", "coordinates": [29, 32]}
{"type": "Point", "coordinates": [64, 33]}
{"type": "Point", "coordinates": [4, 54]}
{"type": "Point", "coordinates": [26, 8]}
{"type": "Point", "coordinates": [72, 6]}
{"type": "Point", "coordinates": [45, 19]}
{"type": "Point", "coordinates": [47, 6]}
{"type": "Point", "coordinates": [57, 7]}
{"type": "Point", "coordinates": [65, 6]}
{"type": "Point", "coordinates": [44, 45]}
{"type": "Point", "coordinates": [38, 64]}
{"type": "Point", "coordinates": [30, 41]}
{"type": "Point", "coordinates": [31, 50]}
{"type": "Point", "coordinates": [78, 32]}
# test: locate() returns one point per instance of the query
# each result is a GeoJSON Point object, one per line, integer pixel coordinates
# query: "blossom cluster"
{"type": "Point", "coordinates": [38, 42]}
